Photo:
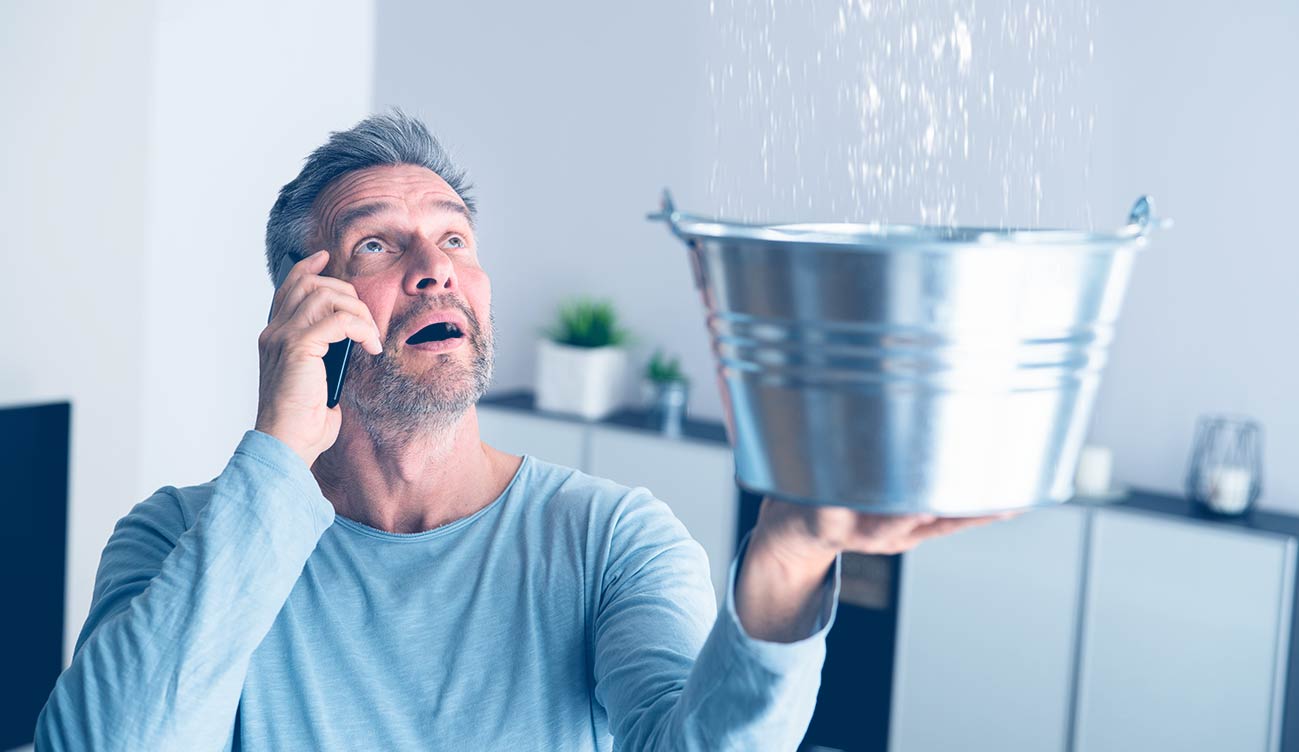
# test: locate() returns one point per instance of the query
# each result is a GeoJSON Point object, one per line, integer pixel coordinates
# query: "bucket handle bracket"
{"type": "Point", "coordinates": [1143, 217]}
{"type": "Point", "coordinates": [667, 213]}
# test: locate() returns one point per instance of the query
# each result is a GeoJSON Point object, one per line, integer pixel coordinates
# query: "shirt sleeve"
{"type": "Point", "coordinates": [180, 605]}
{"type": "Point", "coordinates": [670, 672]}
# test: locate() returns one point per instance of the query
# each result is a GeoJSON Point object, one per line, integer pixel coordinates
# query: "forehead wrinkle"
{"type": "Point", "coordinates": [338, 199]}
{"type": "Point", "coordinates": [339, 209]}
{"type": "Point", "coordinates": [340, 188]}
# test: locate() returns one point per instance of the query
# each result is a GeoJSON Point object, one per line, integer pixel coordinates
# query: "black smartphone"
{"type": "Point", "coordinates": [335, 359]}
{"type": "Point", "coordinates": [336, 369]}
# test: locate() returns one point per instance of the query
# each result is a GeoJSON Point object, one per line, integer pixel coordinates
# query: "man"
{"type": "Point", "coordinates": [374, 576]}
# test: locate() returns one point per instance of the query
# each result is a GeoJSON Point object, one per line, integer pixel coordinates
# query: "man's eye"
{"type": "Point", "coordinates": [455, 241]}
{"type": "Point", "coordinates": [370, 246]}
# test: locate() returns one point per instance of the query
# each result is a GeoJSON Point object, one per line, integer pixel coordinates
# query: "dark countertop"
{"type": "Point", "coordinates": [525, 401]}
{"type": "Point", "coordinates": [1257, 520]}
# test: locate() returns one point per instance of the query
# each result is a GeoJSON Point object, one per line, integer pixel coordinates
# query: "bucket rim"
{"type": "Point", "coordinates": [876, 236]}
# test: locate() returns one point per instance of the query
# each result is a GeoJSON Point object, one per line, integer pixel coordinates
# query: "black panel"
{"type": "Point", "coordinates": [852, 709]}
{"type": "Point", "coordinates": [33, 541]}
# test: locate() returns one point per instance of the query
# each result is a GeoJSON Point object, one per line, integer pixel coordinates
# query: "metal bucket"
{"type": "Point", "coordinates": [909, 369]}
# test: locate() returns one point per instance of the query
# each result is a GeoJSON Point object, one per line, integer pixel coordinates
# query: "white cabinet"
{"type": "Point", "coordinates": [696, 479]}
{"type": "Point", "coordinates": [1094, 629]}
{"type": "Point", "coordinates": [985, 646]}
{"type": "Point", "coordinates": [517, 432]}
{"type": "Point", "coordinates": [1185, 636]}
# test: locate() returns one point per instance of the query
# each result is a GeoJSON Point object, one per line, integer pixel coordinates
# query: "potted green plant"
{"type": "Point", "coordinates": [582, 360]}
{"type": "Point", "coordinates": [669, 390]}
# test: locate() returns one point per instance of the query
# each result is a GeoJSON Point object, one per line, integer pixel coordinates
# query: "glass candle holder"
{"type": "Point", "coordinates": [1226, 469]}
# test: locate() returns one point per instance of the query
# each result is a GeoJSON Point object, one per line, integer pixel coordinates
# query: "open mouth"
{"type": "Point", "coordinates": [443, 330]}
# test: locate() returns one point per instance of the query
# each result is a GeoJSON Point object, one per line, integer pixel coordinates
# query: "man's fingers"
{"type": "Point", "coordinates": [313, 264]}
{"type": "Point", "coordinates": [846, 529]}
{"type": "Point", "coordinates": [337, 326]}
{"type": "Point", "coordinates": [292, 295]}
{"type": "Point", "coordinates": [885, 534]}
{"type": "Point", "coordinates": [881, 527]}
{"type": "Point", "coordinates": [881, 535]}
{"type": "Point", "coordinates": [948, 525]}
{"type": "Point", "coordinates": [323, 302]}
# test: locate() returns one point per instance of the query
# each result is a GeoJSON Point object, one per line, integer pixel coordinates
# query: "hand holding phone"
{"type": "Point", "coordinates": [310, 314]}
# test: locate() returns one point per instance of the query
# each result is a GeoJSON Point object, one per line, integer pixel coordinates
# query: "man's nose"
{"type": "Point", "coordinates": [431, 270]}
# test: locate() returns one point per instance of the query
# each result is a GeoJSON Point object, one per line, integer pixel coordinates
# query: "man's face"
{"type": "Point", "coordinates": [402, 237]}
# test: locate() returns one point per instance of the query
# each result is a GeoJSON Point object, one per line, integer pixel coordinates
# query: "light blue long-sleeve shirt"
{"type": "Point", "coordinates": [571, 613]}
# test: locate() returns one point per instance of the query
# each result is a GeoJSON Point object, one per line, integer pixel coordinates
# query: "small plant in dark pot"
{"type": "Point", "coordinates": [582, 360]}
{"type": "Point", "coordinates": [669, 391]}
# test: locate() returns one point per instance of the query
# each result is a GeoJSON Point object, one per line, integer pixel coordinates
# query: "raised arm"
{"type": "Point", "coordinates": [180, 605]}
{"type": "Point", "coordinates": [754, 682]}
{"type": "Point", "coordinates": [672, 673]}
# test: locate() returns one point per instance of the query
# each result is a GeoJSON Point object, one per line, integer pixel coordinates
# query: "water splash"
{"type": "Point", "coordinates": [894, 111]}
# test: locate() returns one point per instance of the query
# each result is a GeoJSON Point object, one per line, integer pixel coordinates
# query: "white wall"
{"type": "Point", "coordinates": [137, 183]}
{"type": "Point", "coordinates": [73, 204]}
{"type": "Point", "coordinates": [571, 116]}
{"type": "Point", "coordinates": [242, 92]}
{"type": "Point", "coordinates": [1204, 114]}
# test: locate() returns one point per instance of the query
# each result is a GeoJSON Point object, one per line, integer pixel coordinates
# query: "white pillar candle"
{"type": "Point", "coordinates": [1229, 488]}
{"type": "Point", "coordinates": [1095, 465]}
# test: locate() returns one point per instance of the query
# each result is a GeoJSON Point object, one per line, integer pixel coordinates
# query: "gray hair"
{"type": "Point", "coordinates": [394, 138]}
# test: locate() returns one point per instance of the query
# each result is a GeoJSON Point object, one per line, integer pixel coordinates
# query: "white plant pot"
{"type": "Point", "coordinates": [583, 381]}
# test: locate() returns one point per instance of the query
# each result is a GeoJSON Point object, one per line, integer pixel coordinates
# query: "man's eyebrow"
{"type": "Point", "coordinates": [350, 216]}
{"type": "Point", "coordinates": [453, 206]}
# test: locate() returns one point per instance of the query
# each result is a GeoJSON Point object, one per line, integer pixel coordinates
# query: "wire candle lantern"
{"type": "Point", "coordinates": [1226, 468]}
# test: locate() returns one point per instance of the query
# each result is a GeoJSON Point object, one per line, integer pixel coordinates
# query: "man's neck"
{"type": "Point", "coordinates": [416, 483]}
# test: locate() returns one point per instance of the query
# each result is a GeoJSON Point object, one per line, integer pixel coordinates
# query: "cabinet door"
{"type": "Point", "coordinates": [695, 479]}
{"type": "Point", "coordinates": [1184, 636]}
{"type": "Point", "coordinates": [985, 646]}
{"type": "Point", "coordinates": [550, 439]}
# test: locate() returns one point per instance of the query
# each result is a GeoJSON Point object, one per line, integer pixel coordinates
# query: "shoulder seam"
{"type": "Point", "coordinates": [174, 493]}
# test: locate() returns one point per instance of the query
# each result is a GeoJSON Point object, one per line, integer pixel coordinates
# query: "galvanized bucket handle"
{"type": "Point", "coordinates": [1141, 220]}
{"type": "Point", "coordinates": [667, 213]}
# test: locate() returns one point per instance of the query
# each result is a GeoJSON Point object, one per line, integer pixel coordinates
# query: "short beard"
{"type": "Point", "coordinates": [397, 408]}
